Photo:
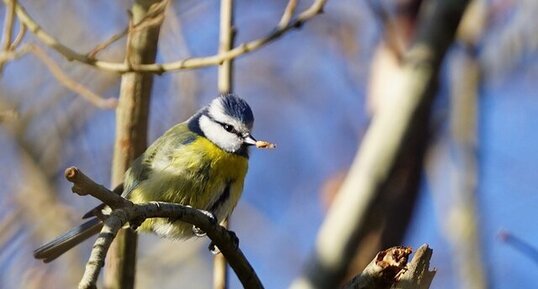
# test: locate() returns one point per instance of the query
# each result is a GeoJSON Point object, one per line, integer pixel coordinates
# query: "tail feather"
{"type": "Point", "coordinates": [65, 242]}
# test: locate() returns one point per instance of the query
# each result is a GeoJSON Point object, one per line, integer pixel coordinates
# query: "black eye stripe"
{"type": "Point", "coordinates": [228, 127]}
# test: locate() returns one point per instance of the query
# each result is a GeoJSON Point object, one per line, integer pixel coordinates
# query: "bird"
{"type": "Point", "coordinates": [201, 163]}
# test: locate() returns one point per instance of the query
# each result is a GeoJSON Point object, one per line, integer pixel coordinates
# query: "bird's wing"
{"type": "Point", "coordinates": [161, 151]}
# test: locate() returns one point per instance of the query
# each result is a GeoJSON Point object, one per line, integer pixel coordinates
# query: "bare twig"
{"type": "Point", "coordinates": [7, 32]}
{"type": "Point", "coordinates": [13, 54]}
{"type": "Point", "coordinates": [155, 16]}
{"type": "Point", "coordinates": [101, 46]}
{"type": "Point", "coordinates": [65, 80]}
{"type": "Point", "coordinates": [9, 20]}
{"type": "Point", "coordinates": [82, 185]}
{"type": "Point", "coordinates": [524, 247]}
{"type": "Point", "coordinates": [190, 63]}
{"type": "Point", "coordinates": [288, 14]}
{"type": "Point", "coordinates": [18, 39]}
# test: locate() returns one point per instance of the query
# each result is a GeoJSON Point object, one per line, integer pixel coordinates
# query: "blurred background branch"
{"type": "Point", "coordinates": [189, 63]}
{"type": "Point", "coordinates": [461, 220]}
{"type": "Point", "coordinates": [383, 145]}
{"type": "Point", "coordinates": [314, 93]}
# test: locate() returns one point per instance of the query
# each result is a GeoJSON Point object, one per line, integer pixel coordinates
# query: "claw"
{"type": "Point", "coordinates": [235, 239]}
{"type": "Point", "coordinates": [135, 223]}
{"type": "Point", "coordinates": [215, 250]}
{"type": "Point", "coordinates": [197, 231]}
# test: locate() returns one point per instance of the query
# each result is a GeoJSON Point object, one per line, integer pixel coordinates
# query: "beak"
{"type": "Point", "coordinates": [249, 140]}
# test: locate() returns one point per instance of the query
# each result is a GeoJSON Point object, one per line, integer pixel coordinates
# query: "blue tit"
{"type": "Point", "coordinates": [201, 162]}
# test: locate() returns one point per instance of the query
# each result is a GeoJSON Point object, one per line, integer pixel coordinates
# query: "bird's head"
{"type": "Point", "coordinates": [227, 122]}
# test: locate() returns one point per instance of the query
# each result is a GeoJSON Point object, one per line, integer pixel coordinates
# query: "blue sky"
{"type": "Point", "coordinates": [308, 92]}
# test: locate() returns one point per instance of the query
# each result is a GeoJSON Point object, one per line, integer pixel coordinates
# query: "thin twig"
{"type": "Point", "coordinates": [288, 14]}
{"type": "Point", "coordinates": [154, 17]}
{"type": "Point", "coordinates": [189, 63]}
{"type": "Point", "coordinates": [13, 54]}
{"type": "Point", "coordinates": [83, 185]}
{"type": "Point", "coordinates": [65, 80]}
{"type": "Point", "coordinates": [107, 43]}
{"type": "Point", "coordinates": [9, 20]}
{"type": "Point", "coordinates": [522, 246]}
{"type": "Point", "coordinates": [7, 32]}
{"type": "Point", "coordinates": [18, 39]}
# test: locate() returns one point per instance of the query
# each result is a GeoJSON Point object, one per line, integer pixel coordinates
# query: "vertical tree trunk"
{"type": "Point", "coordinates": [220, 269]}
{"type": "Point", "coordinates": [131, 137]}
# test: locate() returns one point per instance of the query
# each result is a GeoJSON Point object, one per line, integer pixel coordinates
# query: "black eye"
{"type": "Point", "coordinates": [228, 127]}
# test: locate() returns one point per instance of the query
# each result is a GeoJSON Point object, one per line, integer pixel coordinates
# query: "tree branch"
{"type": "Point", "coordinates": [288, 14]}
{"type": "Point", "coordinates": [189, 63]}
{"type": "Point", "coordinates": [7, 32]}
{"type": "Point", "coordinates": [9, 20]}
{"type": "Point", "coordinates": [135, 213]}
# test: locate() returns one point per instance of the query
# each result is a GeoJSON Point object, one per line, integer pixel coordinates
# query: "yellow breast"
{"type": "Point", "coordinates": [197, 174]}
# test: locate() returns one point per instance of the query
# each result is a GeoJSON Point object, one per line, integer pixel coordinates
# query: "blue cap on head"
{"type": "Point", "coordinates": [237, 108]}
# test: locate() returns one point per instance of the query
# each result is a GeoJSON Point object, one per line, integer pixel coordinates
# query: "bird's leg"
{"type": "Point", "coordinates": [197, 231]}
{"type": "Point", "coordinates": [235, 241]}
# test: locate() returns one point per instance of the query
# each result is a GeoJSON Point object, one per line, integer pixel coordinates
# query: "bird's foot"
{"type": "Point", "coordinates": [197, 231]}
{"type": "Point", "coordinates": [235, 242]}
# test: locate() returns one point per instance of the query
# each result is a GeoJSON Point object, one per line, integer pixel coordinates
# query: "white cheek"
{"type": "Point", "coordinates": [218, 135]}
